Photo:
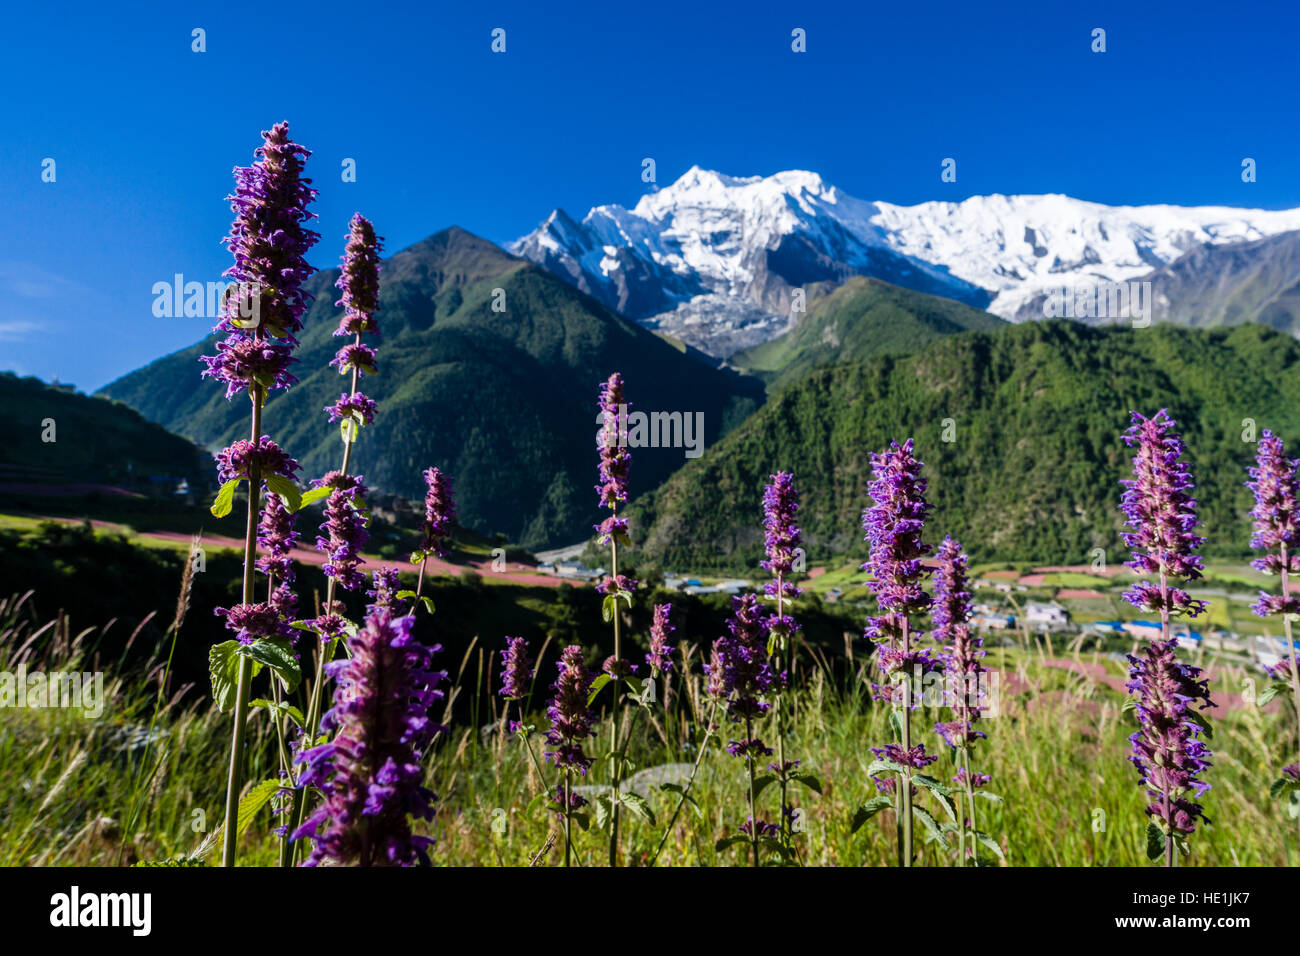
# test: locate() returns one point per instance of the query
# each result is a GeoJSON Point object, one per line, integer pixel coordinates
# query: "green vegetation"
{"type": "Point", "coordinates": [504, 401]}
{"type": "Point", "coordinates": [856, 321]}
{"type": "Point", "coordinates": [1032, 470]}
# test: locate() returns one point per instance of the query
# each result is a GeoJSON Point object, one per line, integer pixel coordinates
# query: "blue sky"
{"type": "Point", "coordinates": [144, 132]}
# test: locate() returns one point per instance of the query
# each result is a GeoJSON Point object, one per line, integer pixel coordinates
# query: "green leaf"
{"type": "Point", "coordinates": [677, 788]}
{"type": "Point", "coordinates": [581, 819]}
{"type": "Point", "coordinates": [637, 804]}
{"type": "Point", "coordinates": [869, 810]}
{"type": "Point", "coordinates": [1275, 688]}
{"type": "Point", "coordinates": [608, 607]}
{"type": "Point", "coordinates": [1283, 785]}
{"type": "Point", "coordinates": [1203, 722]}
{"type": "Point", "coordinates": [283, 707]}
{"type": "Point", "coordinates": [596, 687]}
{"type": "Point", "coordinates": [223, 670]}
{"type": "Point", "coordinates": [287, 491]}
{"type": "Point", "coordinates": [808, 780]}
{"type": "Point", "coordinates": [408, 594]}
{"type": "Point", "coordinates": [602, 807]}
{"type": "Point", "coordinates": [933, 833]}
{"type": "Point", "coordinates": [726, 843]}
{"type": "Point", "coordinates": [536, 802]}
{"type": "Point", "coordinates": [417, 557]}
{"type": "Point", "coordinates": [312, 496]}
{"type": "Point", "coordinates": [884, 766]}
{"type": "Point", "coordinates": [277, 655]}
{"type": "Point", "coordinates": [225, 500]}
{"type": "Point", "coordinates": [1155, 842]}
{"type": "Point", "coordinates": [761, 783]}
{"type": "Point", "coordinates": [940, 792]}
{"type": "Point", "coordinates": [985, 795]}
{"type": "Point", "coordinates": [990, 844]}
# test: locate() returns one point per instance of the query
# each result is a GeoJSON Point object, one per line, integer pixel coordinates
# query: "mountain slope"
{"type": "Point", "coordinates": [856, 321]}
{"type": "Point", "coordinates": [1033, 470]}
{"type": "Point", "coordinates": [63, 437]}
{"type": "Point", "coordinates": [504, 401]}
{"type": "Point", "coordinates": [714, 259]}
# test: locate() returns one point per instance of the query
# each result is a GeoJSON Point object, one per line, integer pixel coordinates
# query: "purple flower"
{"type": "Point", "coordinates": [439, 510]}
{"type": "Point", "coordinates": [353, 406]}
{"type": "Point", "coordinates": [781, 534]}
{"type": "Point", "coordinates": [617, 667]}
{"type": "Point", "coordinates": [242, 361]}
{"type": "Point", "coordinates": [344, 529]}
{"type": "Point", "coordinates": [716, 669]}
{"type": "Point", "coordinates": [612, 528]}
{"type": "Point", "coordinates": [615, 459]}
{"type": "Point", "coordinates": [977, 780]}
{"type": "Point", "coordinates": [1162, 514]}
{"type": "Point", "coordinates": [746, 674]}
{"type": "Point", "coordinates": [576, 801]}
{"type": "Point", "coordinates": [885, 785]}
{"type": "Point", "coordinates": [893, 525]}
{"type": "Point", "coordinates": [1276, 487]}
{"type": "Point", "coordinates": [660, 656]}
{"type": "Point", "coordinates": [516, 669]}
{"type": "Point", "coordinates": [615, 583]}
{"type": "Point", "coordinates": [1292, 772]}
{"type": "Point", "coordinates": [370, 773]}
{"type": "Point", "coordinates": [275, 539]}
{"type": "Point", "coordinates": [237, 460]}
{"type": "Point", "coordinates": [963, 648]}
{"type": "Point", "coordinates": [1280, 671]}
{"type": "Point", "coordinates": [749, 749]}
{"type": "Point", "coordinates": [570, 717]}
{"type": "Point", "coordinates": [355, 356]}
{"type": "Point", "coordinates": [359, 281]}
{"type": "Point", "coordinates": [764, 829]}
{"type": "Point", "coordinates": [1167, 749]}
{"type": "Point", "coordinates": [915, 757]}
{"type": "Point", "coordinates": [331, 624]}
{"type": "Point", "coordinates": [383, 593]}
{"type": "Point", "coordinates": [250, 622]}
{"type": "Point", "coordinates": [268, 239]}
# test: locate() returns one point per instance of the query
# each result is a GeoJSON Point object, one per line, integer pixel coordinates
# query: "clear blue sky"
{"type": "Point", "coordinates": [145, 132]}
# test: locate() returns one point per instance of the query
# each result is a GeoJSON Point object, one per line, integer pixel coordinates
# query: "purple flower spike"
{"type": "Point", "coordinates": [275, 539]}
{"type": "Point", "coordinates": [383, 593]}
{"type": "Point", "coordinates": [1162, 514]}
{"type": "Point", "coordinates": [915, 757]}
{"type": "Point", "coordinates": [740, 669]}
{"type": "Point", "coordinates": [963, 648]}
{"type": "Point", "coordinates": [344, 529]}
{"type": "Point", "coordinates": [269, 239]}
{"type": "Point", "coordinates": [1276, 519]}
{"type": "Point", "coordinates": [615, 459]}
{"type": "Point", "coordinates": [439, 510]}
{"type": "Point", "coordinates": [353, 406]}
{"type": "Point", "coordinates": [893, 525]}
{"type": "Point", "coordinates": [781, 533]}
{"type": "Point", "coordinates": [250, 622]}
{"type": "Point", "coordinates": [570, 717]}
{"type": "Point", "coordinates": [660, 657]}
{"type": "Point", "coordinates": [237, 460]}
{"type": "Point", "coordinates": [370, 773]}
{"type": "Point", "coordinates": [516, 669]}
{"type": "Point", "coordinates": [359, 281]}
{"type": "Point", "coordinates": [1167, 749]}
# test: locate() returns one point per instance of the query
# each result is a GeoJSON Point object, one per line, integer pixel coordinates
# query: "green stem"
{"type": "Point", "coordinates": [1290, 641]}
{"type": "Point", "coordinates": [234, 779]}
{"type": "Point", "coordinates": [753, 810]}
{"type": "Point", "coordinates": [1164, 637]}
{"type": "Point", "coordinates": [617, 710]}
{"type": "Point", "coordinates": [312, 726]}
{"type": "Point", "coordinates": [905, 783]}
{"type": "Point", "coordinates": [690, 782]}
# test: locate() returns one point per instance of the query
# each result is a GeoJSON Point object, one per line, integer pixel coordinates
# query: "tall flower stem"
{"type": "Point", "coordinates": [312, 724]}
{"type": "Point", "coordinates": [1290, 641]}
{"type": "Point", "coordinates": [616, 723]}
{"type": "Point", "coordinates": [753, 808]}
{"type": "Point", "coordinates": [905, 784]}
{"type": "Point", "coordinates": [970, 803]}
{"type": "Point", "coordinates": [690, 782]}
{"type": "Point", "coordinates": [779, 704]}
{"type": "Point", "coordinates": [234, 779]}
{"type": "Point", "coordinates": [419, 585]}
{"type": "Point", "coordinates": [1164, 637]}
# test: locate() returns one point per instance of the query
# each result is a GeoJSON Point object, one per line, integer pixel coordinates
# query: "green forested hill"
{"type": "Point", "coordinates": [1033, 468]}
{"type": "Point", "coordinates": [503, 401]}
{"type": "Point", "coordinates": [93, 441]}
{"type": "Point", "coordinates": [856, 321]}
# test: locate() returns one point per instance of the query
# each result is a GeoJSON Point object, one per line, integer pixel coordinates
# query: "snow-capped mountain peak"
{"type": "Point", "coordinates": [714, 259]}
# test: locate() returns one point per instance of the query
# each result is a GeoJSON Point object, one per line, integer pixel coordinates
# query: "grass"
{"type": "Point", "coordinates": [74, 793]}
